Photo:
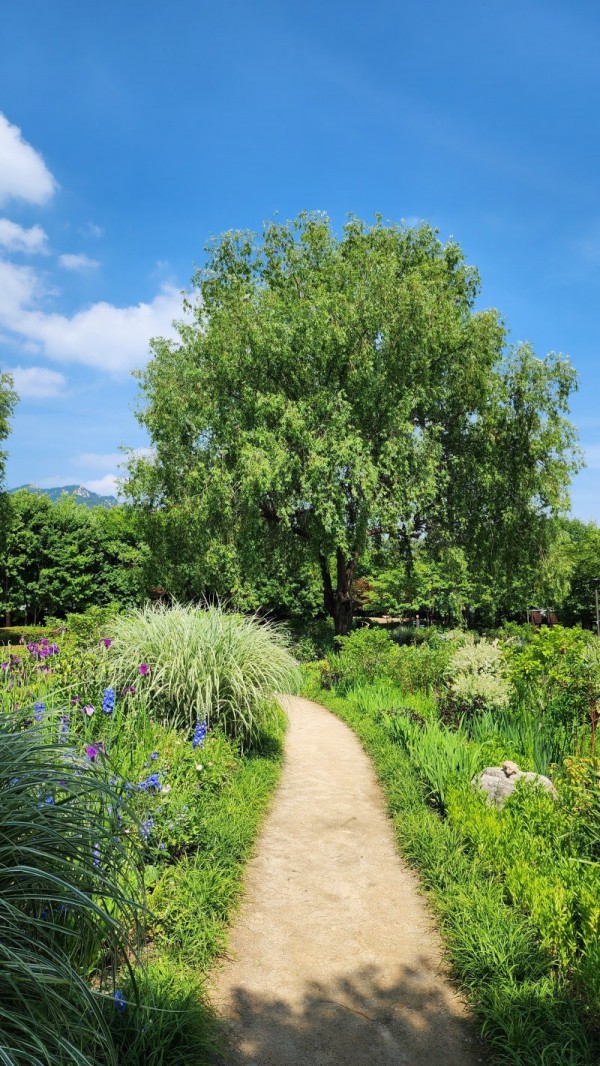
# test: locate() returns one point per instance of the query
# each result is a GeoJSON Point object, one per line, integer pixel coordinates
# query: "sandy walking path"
{"type": "Point", "coordinates": [333, 956]}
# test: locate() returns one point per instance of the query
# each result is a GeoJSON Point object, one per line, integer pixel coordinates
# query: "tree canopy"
{"type": "Point", "coordinates": [330, 393]}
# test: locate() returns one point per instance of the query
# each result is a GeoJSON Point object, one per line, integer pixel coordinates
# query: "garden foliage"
{"type": "Point", "coordinates": [517, 888]}
{"type": "Point", "coordinates": [99, 786]}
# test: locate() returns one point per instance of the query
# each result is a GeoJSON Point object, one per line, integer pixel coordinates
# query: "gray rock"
{"type": "Point", "coordinates": [500, 782]}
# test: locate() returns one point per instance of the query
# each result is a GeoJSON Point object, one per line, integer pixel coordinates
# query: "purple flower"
{"type": "Point", "coordinates": [143, 669]}
{"type": "Point", "coordinates": [4, 666]}
{"type": "Point", "coordinates": [96, 855]}
{"type": "Point", "coordinates": [91, 751]}
{"type": "Point", "coordinates": [88, 709]}
{"type": "Point", "coordinates": [106, 641]}
{"type": "Point", "coordinates": [39, 709]}
{"type": "Point", "coordinates": [154, 756]}
{"type": "Point", "coordinates": [75, 700]}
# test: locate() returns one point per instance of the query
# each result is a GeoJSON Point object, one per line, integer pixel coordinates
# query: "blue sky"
{"type": "Point", "coordinates": [133, 132]}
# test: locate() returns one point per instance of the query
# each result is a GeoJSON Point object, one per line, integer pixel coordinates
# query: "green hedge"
{"type": "Point", "coordinates": [14, 634]}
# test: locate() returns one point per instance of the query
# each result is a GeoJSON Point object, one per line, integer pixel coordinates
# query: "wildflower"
{"type": "Point", "coordinates": [49, 800]}
{"type": "Point", "coordinates": [91, 751]}
{"type": "Point", "coordinates": [64, 725]}
{"type": "Point", "coordinates": [75, 700]}
{"type": "Point", "coordinates": [199, 735]}
{"type": "Point", "coordinates": [143, 669]}
{"type": "Point", "coordinates": [120, 1001]}
{"type": "Point", "coordinates": [146, 827]}
{"type": "Point", "coordinates": [153, 781]}
{"type": "Point", "coordinates": [106, 641]}
{"type": "Point", "coordinates": [96, 855]}
{"type": "Point", "coordinates": [39, 711]}
{"type": "Point", "coordinates": [154, 756]}
{"type": "Point", "coordinates": [4, 666]}
{"type": "Point", "coordinates": [166, 788]}
{"type": "Point", "coordinates": [88, 709]}
{"type": "Point", "coordinates": [108, 700]}
{"type": "Point", "coordinates": [44, 915]}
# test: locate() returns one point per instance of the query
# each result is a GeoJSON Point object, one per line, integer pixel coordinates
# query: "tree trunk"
{"type": "Point", "coordinates": [342, 611]}
{"type": "Point", "coordinates": [338, 601]}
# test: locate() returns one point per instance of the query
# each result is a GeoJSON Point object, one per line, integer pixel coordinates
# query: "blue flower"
{"type": "Point", "coordinates": [154, 756]}
{"type": "Point", "coordinates": [39, 711]}
{"type": "Point", "coordinates": [108, 700]}
{"type": "Point", "coordinates": [199, 735]}
{"type": "Point", "coordinates": [120, 1001]}
{"type": "Point", "coordinates": [146, 827]}
{"type": "Point", "coordinates": [153, 781]}
{"type": "Point", "coordinates": [96, 855]}
{"type": "Point", "coordinates": [49, 800]}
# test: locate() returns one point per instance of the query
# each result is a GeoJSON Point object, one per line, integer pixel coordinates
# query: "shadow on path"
{"type": "Point", "coordinates": [360, 1018]}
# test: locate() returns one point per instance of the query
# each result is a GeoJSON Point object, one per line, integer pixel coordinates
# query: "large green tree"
{"type": "Point", "coordinates": [324, 391]}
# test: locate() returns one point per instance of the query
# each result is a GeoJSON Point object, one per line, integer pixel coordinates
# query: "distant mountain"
{"type": "Point", "coordinates": [80, 494]}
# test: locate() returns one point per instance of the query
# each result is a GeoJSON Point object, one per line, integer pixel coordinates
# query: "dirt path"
{"type": "Point", "coordinates": [333, 956]}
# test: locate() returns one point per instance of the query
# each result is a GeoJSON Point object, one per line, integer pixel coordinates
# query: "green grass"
{"type": "Point", "coordinates": [192, 900]}
{"type": "Point", "coordinates": [528, 1011]}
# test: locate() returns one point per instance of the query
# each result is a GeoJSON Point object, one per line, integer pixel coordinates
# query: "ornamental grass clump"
{"type": "Point", "coordinates": [68, 883]}
{"type": "Point", "coordinates": [202, 664]}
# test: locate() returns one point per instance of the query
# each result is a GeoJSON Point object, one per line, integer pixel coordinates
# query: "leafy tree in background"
{"type": "Point", "coordinates": [580, 545]}
{"type": "Point", "coordinates": [62, 558]}
{"type": "Point", "coordinates": [328, 391]}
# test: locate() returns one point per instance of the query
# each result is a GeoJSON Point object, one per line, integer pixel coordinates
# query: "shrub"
{"type": "Point", "coordinates": [477, 678]}
{"type": "Point", "coordinates": [558, 672]}
{"type": "Point", "coordinates": [203, 664]}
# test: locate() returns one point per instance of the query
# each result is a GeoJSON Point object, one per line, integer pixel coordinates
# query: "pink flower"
{"type": "Point", "coordinates": [143, 668]}
{"type": "Point", "coordinates": [88, 709]}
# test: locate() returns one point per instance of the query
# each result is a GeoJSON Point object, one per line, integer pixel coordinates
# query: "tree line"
{"type": "Point", "coordinates": [337, 415]}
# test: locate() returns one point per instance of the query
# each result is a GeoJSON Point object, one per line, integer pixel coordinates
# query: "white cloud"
{"type": "Point", "coordinates": [91, 230]}
{"type": "Point", "coordinates": [114, 339]}
{"type": "Point", "coordinates": [23, 173]}
{"type": "Point", "coordinates": [16, 238]}
{"type": "Point", "coordinates": [37, 382]}
{"type": "Point", "coordinates": [18, 287]}
{"type": "Point", "coordinates": [77, 262]}
{"type": "Point", "coordinates": [104, 486]}
{"type": "Point", "coordinates": [99, 461]}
